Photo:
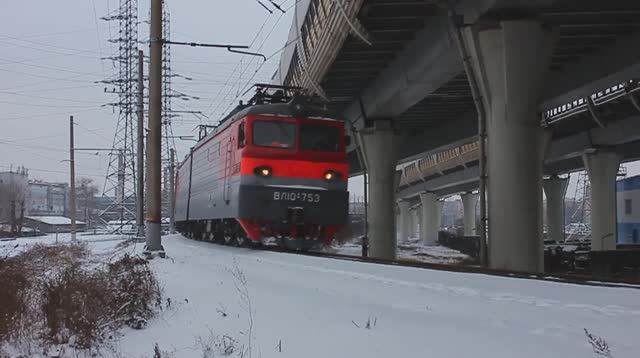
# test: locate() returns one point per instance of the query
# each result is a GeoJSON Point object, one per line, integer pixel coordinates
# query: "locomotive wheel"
{"type": "Point", "coordinates": [242, 241]}
{"type": "Point", "coordinates": [228, 238]}
{"type": "Point", "coordinates": [218, 237]}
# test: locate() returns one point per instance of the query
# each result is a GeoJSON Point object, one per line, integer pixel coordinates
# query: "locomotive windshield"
{"type": "Point", "coordinates": [319, 138]}
{"type": "Point", "coordinates": [274, 134]}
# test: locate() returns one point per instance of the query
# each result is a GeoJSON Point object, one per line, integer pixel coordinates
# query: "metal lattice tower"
{"type": "Point", "coordinates": [168, 140]}
{"type": "Point", "coordinates": [582, 213]}
{"type": "Point", "coordinates": [119, 186]}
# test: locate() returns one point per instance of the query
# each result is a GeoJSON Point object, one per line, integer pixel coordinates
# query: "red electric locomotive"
{"type": "Point", "coordinates": [275, 167]}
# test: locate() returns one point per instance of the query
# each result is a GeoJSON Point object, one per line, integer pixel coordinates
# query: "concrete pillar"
{"type": "Point", "coordinates": [602, 168]}
{"type": "Point", "coordinates": [403, 220]}
{"type": "Point", "coordinates": [429, 224]}
{"type": "Point", "coordinates": [511, 63]}
{"type": "Point", "coordinates": [415, 219]}
{"type": "Point", "coordinates": [439, 207]}
{"type": "Point", "coordinates": [380, 149]}
{"type": "Point", "coordinates": [411, 222]}
{"type": "Point", "coordinates": [418, 227]}
{"type": "Point", "coordinates": [555, 189]}
{"type": "Point", "coordinates": [469, 203]}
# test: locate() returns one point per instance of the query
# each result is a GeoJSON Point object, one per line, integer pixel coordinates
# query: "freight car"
{"type": "Point", "coordinates": [274, 169]}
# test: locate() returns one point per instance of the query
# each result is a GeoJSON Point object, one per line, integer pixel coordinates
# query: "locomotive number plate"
{"type": "Point", "coordinates": [296, 196]}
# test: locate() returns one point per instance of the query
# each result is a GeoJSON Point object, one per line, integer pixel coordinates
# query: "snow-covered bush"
{"type": "Point", "coordinates": [58, 297]}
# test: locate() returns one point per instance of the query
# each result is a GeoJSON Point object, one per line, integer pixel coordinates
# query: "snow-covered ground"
{"type": "Point", "coordinates": [413, 249]}
{"type": "Point", "coordinates": [305, 306]}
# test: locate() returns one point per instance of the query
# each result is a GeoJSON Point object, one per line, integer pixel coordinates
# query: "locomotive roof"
{"type": "Point", "coordinates": [299, 106]}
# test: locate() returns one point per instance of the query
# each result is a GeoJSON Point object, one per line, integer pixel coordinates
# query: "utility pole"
{"type": "Point", "coordinates": [172, 191]}
{"type": "Point", "coordinates": [140, 152]}
{"type": "Point", "coordinates": [72, 181]}
{"type": "Point", "coordinates": [154, 160]}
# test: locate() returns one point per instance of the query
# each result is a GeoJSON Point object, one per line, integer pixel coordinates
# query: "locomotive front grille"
{"type": "Point", "coordinates": [295, 215]}
{"type": "Point", "coordinates": [291, 207]}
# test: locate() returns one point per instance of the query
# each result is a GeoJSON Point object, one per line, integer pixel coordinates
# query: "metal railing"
{"type": "Point", "coordinates": [586, 104]}
{"type": "Point", "coordinates": [440, 162]}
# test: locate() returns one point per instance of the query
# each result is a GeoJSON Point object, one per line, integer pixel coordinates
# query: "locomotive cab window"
{"type": "Point", "coordinates": [319, 138]}
{"type": "Point", "coordinates": [274, 134]}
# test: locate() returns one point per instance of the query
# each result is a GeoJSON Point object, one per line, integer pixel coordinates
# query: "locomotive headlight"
{"type": "Point", "coordinates": [331, 175]}
{"type": "Point", "coordinates": [263, 171]}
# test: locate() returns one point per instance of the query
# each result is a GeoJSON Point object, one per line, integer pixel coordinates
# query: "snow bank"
{"type": "Point", "coordinates": [413, 249]}
{"type": "Point", "coordinates": [54, 220]}
{"type": "Point", "coordinates": [315, 307]}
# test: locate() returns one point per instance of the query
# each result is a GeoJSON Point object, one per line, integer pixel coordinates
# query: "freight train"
{"type": "Point", "coordinates": [275, 169]}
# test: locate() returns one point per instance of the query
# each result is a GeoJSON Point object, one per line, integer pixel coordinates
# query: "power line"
{"type": "Point", "coordinates": [94, 131]}
{"type": "Point", "coordinates": [238, 63]}
{"type": "Point", "coordinates": [259, 48]}
{"type": "Point", "coordinates": [54, 89]}
{"type": "Point", "coordinates": [49, 114]}
{"type": "Point", "coordinates": [36, 59]}
{"type": "Point", "coordinates": [42, 105]}
{"type": "Point", "coordinates": [52, 68]}
{"type": "Point", "coordinates": [45, 45]}
{"type": "Point", "coordinates": [55, 171]}
{"type": "Point", "coordinates": [67, 79]}
{"type": "Point", "coordinates": [40, 137]}
{"type": "Point", "coordinates": [51, 34]}
{"type": "Point", "coordinates": [31, 146]}
{"type": "Point", "coordinates": [49, 98]}
{"type": "Point", "coordinates": [95, 18]}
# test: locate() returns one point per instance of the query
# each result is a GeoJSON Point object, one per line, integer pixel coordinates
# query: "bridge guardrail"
{"type": "Point", "coordinates": [581, 105]}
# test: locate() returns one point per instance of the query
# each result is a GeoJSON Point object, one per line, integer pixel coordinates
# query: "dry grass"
{"type": "Point", "coordinates": [53, 295]}
{"type": "Point", "coordinates": [12, 298]}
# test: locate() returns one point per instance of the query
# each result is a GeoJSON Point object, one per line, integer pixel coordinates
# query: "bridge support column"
{"type": "Point", "coordinates": [380, 149]}
{"type": "Point", "coordinates": [403, 220]}
{"type": "Point", "coordinates": [440, 206]}
{"type": "Point", "coordinates": [429, 222]}
{"type": "Point", "coordinates": [469, 203]}
{"type": "Point", "coordinates": [602, 168]}
{"type": "Point", "coordinates": [511, 63]}
{"type": "Point", "coordinates": [555, 189]}
{"type": "Point", "coordinates": [412, 223]}
{"type": "Point", "coordinates": [415, 227]}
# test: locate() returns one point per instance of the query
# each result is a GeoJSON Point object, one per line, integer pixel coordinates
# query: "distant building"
{"type": "Point", "coordinates": [47, 199]}
{"type": "Point", "coordinates": [13, 190]}
{"type": "Point", "coordinates": [52, 224]}
{"type": "Point", "coordinates": [628, 196]}
{"type": "Point", "coordinates": [452, 213]}
{"type": "Point", "coordinates": [109, 211]}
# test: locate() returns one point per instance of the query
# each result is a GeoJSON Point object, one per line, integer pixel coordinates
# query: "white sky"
{"type": "Point", "coordinates": [50, 57]}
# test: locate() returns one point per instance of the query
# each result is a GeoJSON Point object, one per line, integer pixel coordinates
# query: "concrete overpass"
{"type": "Point", "coordinates": [393, 70]}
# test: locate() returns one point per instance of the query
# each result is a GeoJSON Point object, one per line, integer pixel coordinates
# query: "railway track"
{"type": "Point", "coordinates": [558, 278]}
{"type": "Point", "coordinates": [574, 279]}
